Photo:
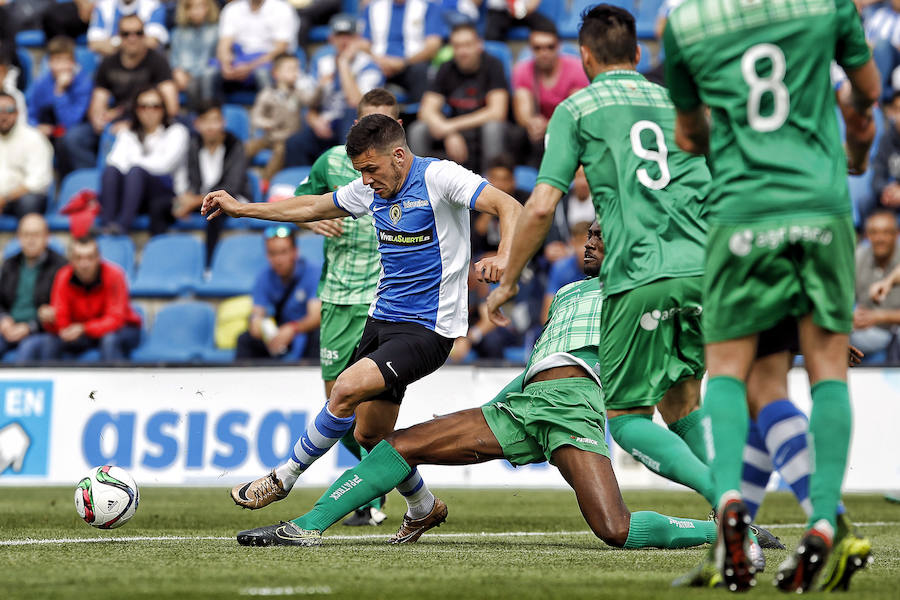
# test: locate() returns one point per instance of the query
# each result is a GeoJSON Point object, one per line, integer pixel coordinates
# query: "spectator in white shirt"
{"type": "Point", "coordinates": [103, 32]}
{"type": "Point", "coordinates": [26, 163]}
{"type": "Point", "coordinates": [251, 34]}
{"type": "Point", "coordinates": [146, 167]}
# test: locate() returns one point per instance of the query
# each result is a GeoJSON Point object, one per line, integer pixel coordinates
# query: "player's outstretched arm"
{"type": "Point", "coordinates": [296, 209]}
{"type": "Point", "coordinates": [530, 231]}
{"type": "Point", "coordinates": [498, 203]}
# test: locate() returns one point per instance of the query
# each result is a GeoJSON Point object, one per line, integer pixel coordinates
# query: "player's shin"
{"type": "Point", "coordinates": [321, 434]}
{"type": "Point", "coordinates": [829, 429]}
{"type": "Point", "coordinates": [662, 451]}
{"type": "Point", "coordinates": [378, 473]}
{"type": "Point", "coordinates": [653, 530]}
{"type": "Point", "coordinates": [728, 422]}
{"type": "Point", "coordinates": [690, 429]}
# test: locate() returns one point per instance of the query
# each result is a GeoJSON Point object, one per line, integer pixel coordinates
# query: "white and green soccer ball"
{"type": "Point", "coordinates": [107, 497]}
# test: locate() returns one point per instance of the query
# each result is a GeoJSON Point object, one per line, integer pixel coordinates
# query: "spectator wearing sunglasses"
{"type": "Point", "coordinates": [285, 306]}
{"type": "Point", "coordinates": [104, 36]}
{"type": "Point", "coordinates": [26, 163]}
{"type": "Point", "coordinates": [146, 167]}
{"type": "Point", "coordinates": [118, 77]}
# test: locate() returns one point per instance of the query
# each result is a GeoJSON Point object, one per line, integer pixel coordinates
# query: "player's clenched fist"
{"type": "Point", "coordinates": [218, 202]}
{"type": "Point", "coordinates": [491, 269]}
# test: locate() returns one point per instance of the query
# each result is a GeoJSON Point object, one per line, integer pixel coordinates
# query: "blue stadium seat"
{"type": "Point", "coordinates": [237, 121]}
{"type": "Point", "coordinates": [526, 178]}
{"type": "Point", "coordinates": [236, 262]}
{"type": "Point", "coordinates": [118, 249]}
{"type": "Point", "coordinates": [312, 247]}
{"type": "Point", "coordinates": [171, 264]}
{"type": "Point", "coordinates": [181, 332]}
{"type": "Point", "coordinates": [501, 51]}
{"type": "Point", "coordinates": [105, 145]}
{"type": "Point", "coordinates": [14, 246]}
{"type": "Point", "coordinates": [319, 34]}
{"type": "Point", "coordinates": [72, 184]}
{"type": "Point", "coordinates": [256, 189]}
{"type": "Point", "coordinates": [646, 59]}
{"type": "Point", "coordinates": [30, 38]}
{"type": "Point", "coordinates": [27, 63]}
{"type": "Point", "coordinates": [552, 9]}
{"type": "Point", "coordinates": [255, 186]}
{"type": "Point", "coordinates": [287, 180]}
{"type": "Point", "coordinates": [570, 18]}
{"type": "Point", "coordinates": [645, 18]}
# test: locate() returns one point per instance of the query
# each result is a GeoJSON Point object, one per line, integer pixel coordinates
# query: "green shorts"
{"type": "Point", "coordinates": [342, 326]}
{"type": "Point", "coordinates": [533, 423]}
{"type": "Point", "coordinates": [760, 273]}
{"type": "Point", "coordinates": [650, 340]}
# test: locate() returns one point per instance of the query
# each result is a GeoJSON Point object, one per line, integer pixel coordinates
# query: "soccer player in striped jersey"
{"type": "Point", "coordinates": [420, 208]}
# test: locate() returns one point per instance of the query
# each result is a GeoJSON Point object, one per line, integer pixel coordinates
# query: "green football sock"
{"type": "Point", "coordinates": [689, 429]}
{"type": "Point", "coordinates": [662, 451]}
{"type": "Point", "coordinates": [829, 428]}
{"type": "Point", "coordinates": [653, 530]}
{"type": "Point", "coordinates": [729, 423]}
{"type": "Point", "coordinates": [349, 442]}
{"type": "Point", "coordinates": [377, 474]}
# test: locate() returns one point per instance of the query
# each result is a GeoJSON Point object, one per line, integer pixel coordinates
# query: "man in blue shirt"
{"type": "Point", "coordinates": [420, 208]}
{"type": "Point", "coordinates": [285, 307]}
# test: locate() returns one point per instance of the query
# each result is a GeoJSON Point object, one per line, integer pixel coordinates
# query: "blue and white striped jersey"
{"type": "Point", "coordinates": [423, 240]}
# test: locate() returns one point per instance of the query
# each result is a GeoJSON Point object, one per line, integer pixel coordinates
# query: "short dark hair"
{"type": "Point", "coordinates": [204, 106]}
{"type": "Point", "coordinates": [379, 97]}
{"type": "Point", "coordinates": [504, 160]}
{"type": "Point", "coordinates": [608, 32]}
{"type": "Point", "coordinates": [131, 16]}
{"type": "Point", "coordinates": [374, 131]}
{"type": "Point", "coordinates": [464, 25]}
{"type": "Point", "coordinates": [61, 44]}
{"type": "Point", "coordinates": [545, 26]}
{"type": "Point", "coordinates": [85, 240]}
{"type": "Point", "coordinates": [281, 58]}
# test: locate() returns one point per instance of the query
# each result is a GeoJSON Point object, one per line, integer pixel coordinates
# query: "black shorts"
{"type": "Point", "coordinates": [404, 353]}
{"type": "Point", "coordinates": [780, 338]}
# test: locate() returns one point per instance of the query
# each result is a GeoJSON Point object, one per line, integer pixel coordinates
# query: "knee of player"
{"type": "Point", "coordinates": [366, 439]}
{"type": "Point", "coordinates": [344, 397]}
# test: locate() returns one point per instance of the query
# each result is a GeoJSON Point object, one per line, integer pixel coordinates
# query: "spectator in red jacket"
{"type": "Point", "coordinates": [91, 309]}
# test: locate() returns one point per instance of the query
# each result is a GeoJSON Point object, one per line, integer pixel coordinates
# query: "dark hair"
{"type": "Point", "coordinates": [374, 131]}
{"type": "Point", "coordinates": [132, 110]}
{"type": "Point", "coordinates": [464, 25]}
{"type": "Point", "coordinates": [545, 26]}
{"type": "Point", "coordinates": [131, 16]}
{"type": "Point", "coordinates": [503, 160]}
{"type": "Point", "coordinates": [85, 240]}
{"type": "Point", "coordinates": [204, 106]}
{"type": "Point", "coordinates": [281, 58]}
{"type": "Point", "coordinates": [379, 97]}
{"type": "Point", "coordinates": [609, 33]}
{"type": "Point", "coordinates": [61, 45]}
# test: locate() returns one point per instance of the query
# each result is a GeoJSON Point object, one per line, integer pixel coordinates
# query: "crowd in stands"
{"type": "Point", "coordinates": [117, 116]}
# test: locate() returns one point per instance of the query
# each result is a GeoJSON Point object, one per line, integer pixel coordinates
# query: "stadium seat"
{"type": "Point", "coordinates": [570, 19]}
{"type": "Point", "coordinates": [319, 34]}
{"type": "Point", "coordinates": [27, 67]}
{"type": "Point", "coordinates": [501, 51]}
{"type": "Point", "coordinates": [552, 9]}
{"type": "Point", "coordinates": [237, 260]}
{"type": "Point", "coordinates": [105, 145]}
{"type": "Point", "coordinates": [181, 332]}
{"type": "Point", "coordinates": [118, 249]}
{"type": "Point", "coordinates": [526, 178]}
{"type": "Point", "coordinates": [14, 246]}
{"type": "Point", "coordinates": [171, 264]}
{"type": "Point", "coordinates": [72, 184]}
{"type": "Point", "coordinates": [284, 182]}
{"type": "Point", "coordinates": [30, 38]}
{"type": "Point", "coordinates": [312, 247]}
{"type": "Point", "coordinates": [645, 18]}
{"type": "Point", "coordinates": [646, 59]}
{"type": "Point", "coordinates": [237, 121]}
{"type": "Point", "coordinates": [255, 187]}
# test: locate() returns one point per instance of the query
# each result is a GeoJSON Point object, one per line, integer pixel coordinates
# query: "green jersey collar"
{"type": "Point", "coordinates": [618, 74]}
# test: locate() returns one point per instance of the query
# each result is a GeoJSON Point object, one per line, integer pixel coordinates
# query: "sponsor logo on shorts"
{"type": "Point", "coordinates": [582, 440]}
{"type": "Point", "coordinates": [653, 465]}
{"type": "Point", "coordinates": [327, 357]}
{"type": "Point", "coordinates": [742, 242]}
{"type": "Point", "coordinates": [400, 238]}
{"type": "Point", "coordinates": [681, 524]}
{"type": "Point", "coordinates": [650, 320]}
{"type": "Point", "coordinates": [346, 487]}
{"type": "Point", "coordinates": [415, 203]}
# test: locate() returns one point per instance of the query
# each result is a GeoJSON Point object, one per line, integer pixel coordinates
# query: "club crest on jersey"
{"type": "Point", "coordinates": [395, 213]}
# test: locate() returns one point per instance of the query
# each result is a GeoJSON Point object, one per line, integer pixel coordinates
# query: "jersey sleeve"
{"type": "Point", "coordinates": [354, 197]}
{"type": "Point", "coordinates": [453, 183]}
{"type": "Point", "coordinates": [315, 182]}
{"type": "Point", "coordinates": [560, 160]}
{"type": "Point", "coordinates": [682, 88]}
{"type": "Point", "coordinates": [852, 50]}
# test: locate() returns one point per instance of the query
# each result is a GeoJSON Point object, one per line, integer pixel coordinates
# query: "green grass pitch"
{"type": "Point", "coordinates": [543, 564]}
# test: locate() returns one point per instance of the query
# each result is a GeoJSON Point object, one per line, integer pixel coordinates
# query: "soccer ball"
{"type": "Point", "coordinates": [107, 497]}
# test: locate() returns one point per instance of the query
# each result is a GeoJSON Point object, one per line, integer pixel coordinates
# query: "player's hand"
{"type": "Point", "coordinates": [491, 268]}
{"type": "Point", "coordinates": [879, 290]}
{"type": "Point", "coordinates": [217, 202]}
{"type": "Point", "coordinates": [856, 355]}
{"type": "Point", "coordinates": [497, 298]}
{"type": "Point", "coordinates": [329, 227]}
{"type": "Point", "coordinates": [279, 343]}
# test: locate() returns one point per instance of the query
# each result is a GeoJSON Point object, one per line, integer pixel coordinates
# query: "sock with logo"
{"type": "Point", "coordinates": [830, 423]}
{"type": "Point", "coordinates": [653, 530]}
{"type": "Point", "coordinates": [690, 429]}
{"type": "Point", "coordinates": [419, 500]}
{"type": "Point", "coordinates": [377, 474]}
{"type": "Point", "coordinates": [729, 421]}
{"type": "Point", "coordinates": [757, 470]}
{"type": "Point", "coordinates": [349, 442]}
{"type": "Point", "coordinates": [662, 451]}
{"type": "Point", "coordinates": [321, 434]}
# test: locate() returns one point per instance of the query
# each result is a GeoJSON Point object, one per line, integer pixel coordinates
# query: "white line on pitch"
{"type": "Point", "coordinates": [499, 534]}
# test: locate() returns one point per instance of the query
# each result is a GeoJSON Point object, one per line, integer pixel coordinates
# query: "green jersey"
{"type": "Point", "coordinates": [762, 66]}
{"type": "Point", "coordinates": [573, 324]}
{"type": "Point", "coordinates": [352, 264]}
{"type": "Point", "coordinates": [649, 195]}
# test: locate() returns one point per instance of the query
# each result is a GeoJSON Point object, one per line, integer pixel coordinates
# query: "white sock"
{"type": "Point", "coordinates": [419, 499]}
{"type": "Point", "coordinates": [321, 434]}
